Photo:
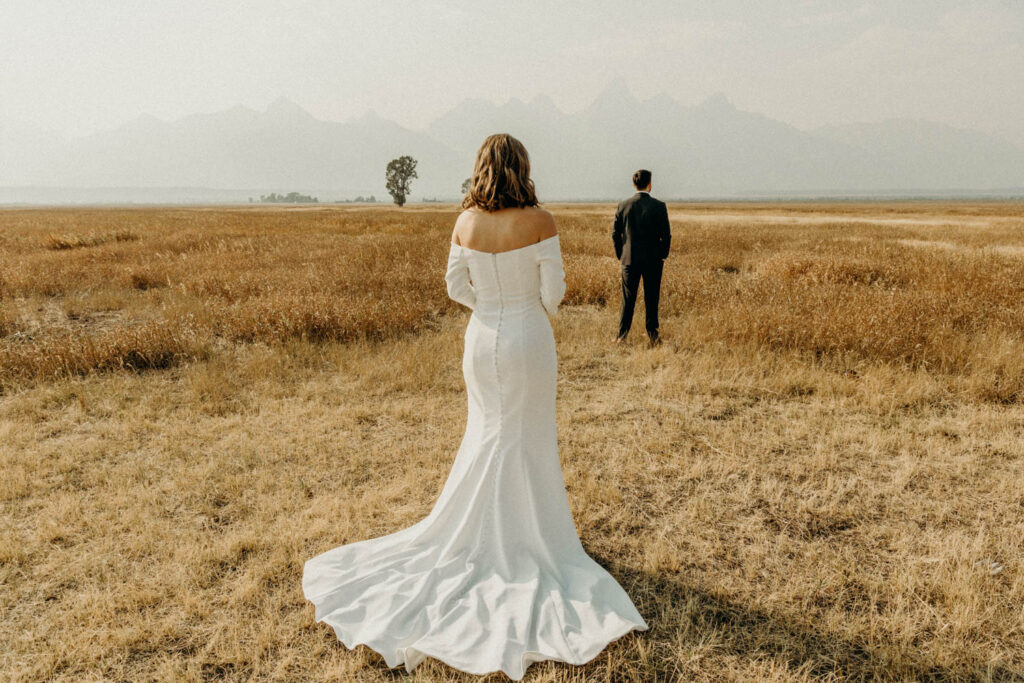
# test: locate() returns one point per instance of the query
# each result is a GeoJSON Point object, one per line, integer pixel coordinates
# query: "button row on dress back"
{"type": "Point", "coordinates": [496, 465]}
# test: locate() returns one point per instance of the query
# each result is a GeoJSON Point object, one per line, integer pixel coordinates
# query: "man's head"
{"type": "Point", "coordinates": [642, 179]}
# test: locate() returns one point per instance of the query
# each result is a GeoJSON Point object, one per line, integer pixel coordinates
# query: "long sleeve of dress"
{"type": "Point", "coordinates": [457, 278]}
{"type": "Point", "coordinates": [552, 276]}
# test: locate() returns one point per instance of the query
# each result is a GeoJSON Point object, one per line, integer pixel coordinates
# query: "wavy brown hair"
{"type": "Point", "coordinates": [501, 176]}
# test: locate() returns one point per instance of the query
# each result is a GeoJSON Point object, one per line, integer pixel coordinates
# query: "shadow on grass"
{"type": "Point", "coordinates": [753, 634]}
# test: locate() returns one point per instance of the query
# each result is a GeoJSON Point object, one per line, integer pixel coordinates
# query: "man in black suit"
{"type": "Point", "coordinates": [641, 235]}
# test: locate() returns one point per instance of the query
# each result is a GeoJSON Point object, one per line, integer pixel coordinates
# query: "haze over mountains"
{"type": "Point", "coordinates": [708, 150]}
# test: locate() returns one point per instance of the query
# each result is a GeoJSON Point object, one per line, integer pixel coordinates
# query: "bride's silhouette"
{"type": "Point", "coordinates": [495, 577]}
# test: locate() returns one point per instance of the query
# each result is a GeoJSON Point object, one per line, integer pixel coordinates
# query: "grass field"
{"type": "Point", "coordinates": [818, 476]}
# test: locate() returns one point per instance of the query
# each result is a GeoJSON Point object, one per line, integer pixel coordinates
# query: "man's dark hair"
{"type": "Point", "coordinates": [641, 179]}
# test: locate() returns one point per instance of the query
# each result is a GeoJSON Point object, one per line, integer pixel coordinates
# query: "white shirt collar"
{"type": "Point", "coordinates": [644, 191]}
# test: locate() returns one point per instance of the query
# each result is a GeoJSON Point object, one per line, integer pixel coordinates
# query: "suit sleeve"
{"type": "Point", "coordinates": [618, 232]}
{"type": "Point", "coordinates": [665, 236]}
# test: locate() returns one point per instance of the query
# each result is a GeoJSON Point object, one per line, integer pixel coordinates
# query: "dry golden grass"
{"type": "Point", "coordinates": [152, 288]}
{"type": "Point", "coordinates": [95, 240]}
{"type": "Point", "coordinates": [817, 477]}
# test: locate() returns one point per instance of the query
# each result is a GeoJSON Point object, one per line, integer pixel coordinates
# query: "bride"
{"type": "Point", "coordinates": [495, 577]}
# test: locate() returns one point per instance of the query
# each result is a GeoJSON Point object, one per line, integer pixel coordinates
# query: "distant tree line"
{"type": "Point", "coordinates": [290, 198]}
{"type": "Point", "coordinates": [398, 175]}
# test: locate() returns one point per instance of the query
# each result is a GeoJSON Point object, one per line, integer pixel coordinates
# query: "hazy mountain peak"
{"type": "Point", "coordinates": [477, 103]}
{"type": "Point", "coordinates": [515, 107]}
{"type": "Point", "coordinates": [543, 102]}
{"type": "Point", "coordinates": [617, 91]}
{"type": "Point", "coordinates": [719, 100]}
{"type": "Point", "coordinates": [284, 108]}
{"type": "Point", "coordinates": [471, 108]}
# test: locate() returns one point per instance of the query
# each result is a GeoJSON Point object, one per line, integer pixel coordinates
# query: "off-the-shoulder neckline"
{"type": "Point", "coordinates": [507, 251]}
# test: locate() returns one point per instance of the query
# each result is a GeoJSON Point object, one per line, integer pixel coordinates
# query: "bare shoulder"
{"type": "Point", "coordinates": [462, 224]}
{"type": "Point", "coordinates": [544, 221]}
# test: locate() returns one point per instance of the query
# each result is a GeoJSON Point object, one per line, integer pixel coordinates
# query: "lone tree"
{"type": "Point", "coordinates": [400, 172]}
{"type": "Point", "coordinates": [466, 185]}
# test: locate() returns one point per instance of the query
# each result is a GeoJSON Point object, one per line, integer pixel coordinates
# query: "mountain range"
{"type": "Point", "coordinates": [712, 149]}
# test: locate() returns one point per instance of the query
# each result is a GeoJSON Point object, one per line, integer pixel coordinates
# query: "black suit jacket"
{"type": "Point", "coordinates": [641, 232]}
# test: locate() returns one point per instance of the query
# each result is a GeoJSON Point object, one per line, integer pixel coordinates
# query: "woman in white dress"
{"type": "Point", "coordinates": [495, 577]}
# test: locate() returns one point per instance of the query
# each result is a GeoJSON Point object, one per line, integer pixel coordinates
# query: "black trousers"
{"type": "Point", "coordinates": [632, 274]}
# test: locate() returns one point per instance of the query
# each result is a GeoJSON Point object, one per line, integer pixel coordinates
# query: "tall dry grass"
{"type": "Point", "coordinates": [848, 289]}
{"type": "Point", "coordinates": [195, 279]}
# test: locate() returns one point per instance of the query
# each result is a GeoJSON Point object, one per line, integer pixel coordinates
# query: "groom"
{"type": "Point", "coordinates": [641, 234]}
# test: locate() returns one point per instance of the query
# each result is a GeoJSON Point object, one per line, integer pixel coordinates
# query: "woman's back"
{"type": "Point", "coordinates": [510, 281]}
{"type": "Point", "coordinates": [504, 230]}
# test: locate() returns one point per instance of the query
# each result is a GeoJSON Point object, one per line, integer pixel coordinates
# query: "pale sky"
{"type": "Point", "coordinates": [77, 66]}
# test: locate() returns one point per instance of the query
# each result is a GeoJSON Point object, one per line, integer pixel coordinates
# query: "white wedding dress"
{"type": "Point", "coordinates": [495, 577]}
